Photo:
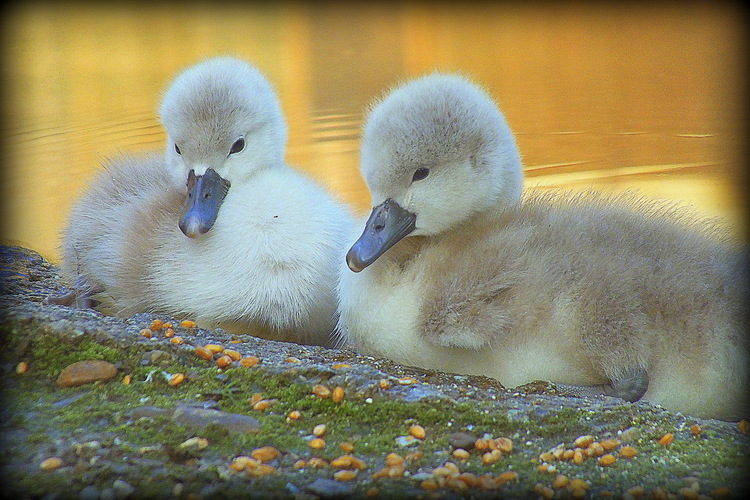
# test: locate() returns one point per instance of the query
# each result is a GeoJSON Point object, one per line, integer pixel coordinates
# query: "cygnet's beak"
{"type": "Point", "coordinates": [204, 198]}
{"type": "Point", "coordinates": [387, 225]}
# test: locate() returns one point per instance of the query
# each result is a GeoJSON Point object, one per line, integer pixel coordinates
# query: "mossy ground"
{"type": "Point", "coordinates": [90, 428]}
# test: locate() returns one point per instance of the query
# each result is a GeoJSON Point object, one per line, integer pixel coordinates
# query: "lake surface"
{"type": "Point", "coordinates": [639, 97]}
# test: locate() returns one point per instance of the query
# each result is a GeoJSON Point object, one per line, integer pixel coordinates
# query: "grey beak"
{"type": "Point", "coordinates": [204, 198]}
{"type": "Point", "coordinates": [387, 225]}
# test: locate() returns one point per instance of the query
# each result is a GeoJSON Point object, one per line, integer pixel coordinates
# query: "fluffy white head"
{"type": "Point", "coordinates": [222, 114]}
{"type": "Point", "coordinates": [453, 129]}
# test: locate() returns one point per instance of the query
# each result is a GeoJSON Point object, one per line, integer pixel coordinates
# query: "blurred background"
{"type": "Point", "coordinates": [639, 96]}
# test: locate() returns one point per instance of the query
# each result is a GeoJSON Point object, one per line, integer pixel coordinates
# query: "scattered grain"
{"type": "Point", "coordinates": [429, 485]}
{"type": "Point", "coordinates": [51, 463]}
{"type": "Point", "coordinates": [688, 493]}
{"type": "Point", "coordinates": [584, 441]}
{"type": "Point", "coordinates": [345, 475]}
{"type": "Point", "coordinates": [22, 367]}
{"type": "Point", "coordinates": [264, 404]}
{"type": "Point", "coordinates": [223, 361]}
{"type": "Point", "coordinates": [407, 381]}
{"type": "Point", "coordinates": [338, 394]}
{"type": "Point", "coordinates": [317, 462]}
{"type": "Point", "coordinates": [319, 430]}
{"type": "Point", "coordinates": [233, 354]}
{"type": "Point", "coordinates": [204, 353]}
{"type": "Point", "coordinates": [294, 415]}
{"type": "Point", "coordinates": [127, 379]}
{"type": "Point", "coordinates": [321, 391]}
{"type": "Point", "coordinates": [384, 384]}
{"type": "Point", "coordinates": [743, 426]}
{"type": "Point", "coordinates": [242, 462]}
{"type": "Point", "coordinates": [265, 454]}
{"type": "Point", "coordinates": [560, 481]}
{"type": "Point", "coordinates": [721, 492]}
{"type": "Point", "coordinates": [507, 476]}
{"type": "Point", "coordinates": [249, 361]}
{"type": "Point", "coordinates": [372, 492]}
{"type": "Point", "coordinates": [393, 459]}
{"type": "Point", "coordinates": [215, 348]}
{"type": "Point", "coordinates": [504, 444]}
{"type": "Point", "coordinates": [317, 444]}
{"type": "Point", "coordinates": [338, 366]}
{"type": "Point", "coordinates": [417, 431]}
{"type": "Point", "coordinates": [628, 452]}
{"type": "Point", "coordinates": [145, 333]}
{"type": "Point", "coordinates": [299, 464]}
{"type": "Point", "coordinates": [666, 439]}
{"type": "Point", "coordinates": [186, 323]}
{"type": "Point", "coordinates": [461, 454]}
{"type": "Point", "coordinates": [610, 444]}
{"type": "Point", "coordinates": [156, 325]}
{"type": "Point", "coordinates": [292, 359]}
{"type": "Point", "coordinates": [346, 447]}
{"type": "Point", "coordinates": [177, 340]}
{"type": "Point", "coordinates": [168, 333]}
{"type": "Point", "coordinates": [198, 443]}
{"type": "Point", "coordinates": [578, 456]}
{"type": "Point", "coordinates": [177, 379]}
{"type": "Point", "coordinates": [635, 492]}
{"type": "Point", "coordinates": [607, 460]}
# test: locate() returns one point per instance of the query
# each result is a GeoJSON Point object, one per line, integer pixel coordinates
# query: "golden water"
{"type": "Point", "coordinates": [610, 97]}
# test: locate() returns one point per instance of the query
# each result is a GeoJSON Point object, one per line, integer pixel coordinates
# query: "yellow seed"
{"type": "Point", "coordinates": [346, 447]}
{"type": "Point", "coordinates": [628, 452]}
{"type": "Point", "coordinates": [317, 444]}
{"type": "Point", "coordinates": [568, 454]}
{"type": "Point", "coordinates": [176, 379]}
{"type": "Point", "coordinates": [480, 445]}
{"type": "Point", "coordinates": [429, 485]}
{"type": "Point", "coordinates": [488, 458]}
{"type": "Point", "coordinates": [372, 492]}
{"type": "Point", "coordinates": [610, 444]}
{"type": "Point", "coordinates": [262, 405]}
{"type": "Point", "coordinates": [240, 463]}
{"type": "Point", "coordinates": [156, 325]}
{"type": "Point", "coordinates": [543, 467]}
{"type": "Point", "coordinates": [358, 464]}
{"type": "Point", "coordinates": [486, 482]}
{"type": "Point", "coordinates": [342, 462]}
{"type": "Point", "coordinates": [606, 460]}
{"type": "Point", "coordinates": [168, 333]}
{"type": "Point", "coordinates": [452, 467]}
{"type": "Point", "coordinates": [127, 379]}
{"type": "Point", "coordinates": [177, 340]}
{"type": "Point", "coordinates": [166, 325]}
{"type": "Point", "coordinates": [635, 491]}
{"type": "Point", "coordinates": [292, 359]}
{"type": "Point", "coordinates": [319, 430]}
{"type": "Point", "coordinates": [597, 449]}
{"type": "Point", "coordinates": [688, 493]}
{"type": "Point", "coordinates": [341, 365]}
{"type": "Point", "coordinates": [233, 354]}
{"type": "Point", "coordinates": [215, 348]}
{"type": "Point", "coordinates": [345, 475]}
{"type": "Point", "coordinates": [417, 431]}
{"type": "Point", "coordinates": [384, 384]}
{"type": "Point", "coordinates": [461, 454]}
{"type": "Point", "coordinates": [546, 456]}
{"type": "Point", "coordinates": [321, 391]}
{"type": "Point", "coordinates": [578, 457]}
{"type": "Point", "coordinates": [186, 323]}
{"type": "Point", "coordinates": [265, 454]}
{"type": "Point", "coordinates": [507, 476]}
{"type": "Point", "coordinates": [317, 462]}
{"type": "Point", "coordinates": [580, 483]}
{"type": "Point", "coordinates": [223, 361]}
{"type": "Point", "coordinates": [395, 471]}
{"type": "Point", "coordinates": [666, 439]}
{"type": "Point", "coordinates": [407, 381]}
{"type": "Point", "coordinates": [469, 479]}
{"type": "Point", "coordinates": [261, 470]}
{"type": "Point", "coordinates": [249, 361]}
{"type": "Point", "coordinates": [720, 492]}
{"type": "Point", "coordinates": [299, 464]}
{"type": "Point", "coordinates": [561, 481]}
{"type": "Point", "coordinates": [51, 463]}
{"type": "Point", "coordinates": [743, 426]}
{"type": "Point", "coordinates": [661, 493]}
{"type": "Point", "coordinates": [584, 441]}
{"type": "Point", "coordinates": [393, 459]}
{"type": "Point", "coordinates": [504, 444]}
{"type": "Point", "coordinates": [294, 415]}
{"type": "Point", "coordinates": [145, 333]}
{"type": "Point", "coordinates": [338, 395]}
{"type": "Point", "coordinates": [22, 367]}
{"type": "Point", "coordinates": [204, 353]}
{"type": "Point", "coordinates": [695, 429]}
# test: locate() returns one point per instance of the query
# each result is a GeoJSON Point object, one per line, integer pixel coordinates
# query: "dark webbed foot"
{"type": "Point", "coordinates": [79, 297]}
{"type": "Point", "coordinates": [631, 387]}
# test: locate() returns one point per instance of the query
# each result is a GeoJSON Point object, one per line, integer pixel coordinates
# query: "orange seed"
{"type": "Point", "coordinates": [317, 444]}
{"type": "Point", "coordinates": [606, 460]}
{"type": "Point", "coordinates": [384, 384]}
{"type": "Point", "coordinates": [186, 323]}
{"type": "Point", "coordinates": [628, 452]}
{"type": "Point", "coordinates": [223, 361]}
{"type": "Point", "coordinates": [666, 439]}
{"type": "Point", "coordinates": [294, 415]}
{"type": "Point", "coordinates": [344, 475]}
{"type": "Point", "coordinates": [22, 367]}
{"type": "Point", "coordinates": [127, 379]}
{"type": "Point", "coordinates": [338, 395]}
{"type": "Point", "coordinates": [51, 463]}
{"type": "Point", "coordinates": [393, 459]}
{"type": "Point", "coordinates": [346, 447]}
{"type": "Point", "coordinates": [417, 431]}
{"type": "Point", "coordinates": [319, 430]}
{"type": "Point", "coordinates": [156, 325]}
{"type": "Point", "coordinates": [214, 348]}
{"type": "Point", "coordinates": [168, 333]}
{"type": "Point", "coordinates": [743, 426]}
{"type": "Point", "coordinates": [177, 340]}
{"type": "Point", "coordinates": [176, 379]}
{"type": "Point", "coordinates": [145, 333]}
{"type": "Point", "coordinates": [461, 454]}
{"type": "Point", "coordinates": [204, 353]}
{"type": "Point", "coordinates": [249, 361]}
{"type": "Point", "coordinates": [321, 391]}
{"type": "Point", "coordinates": [233, 354]}
{"type": "Point", "coordinates": [265, 453]}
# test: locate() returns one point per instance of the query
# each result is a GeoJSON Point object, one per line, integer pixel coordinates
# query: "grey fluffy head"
{"type": "Point", "coordinates": [209, 107]}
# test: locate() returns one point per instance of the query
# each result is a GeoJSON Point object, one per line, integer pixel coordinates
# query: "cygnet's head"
{"type": "Point", "coordinates": [223, 124]}
{"type": "Point", "coordinates": [435, 152]}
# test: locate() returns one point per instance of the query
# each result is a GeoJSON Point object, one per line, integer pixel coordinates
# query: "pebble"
{"type": "Point", "coordinates": [86, 372]}
{"type": "Point", "coordinates": [201, 417]}
{"type": "Point", "coordinates": [328, 488]}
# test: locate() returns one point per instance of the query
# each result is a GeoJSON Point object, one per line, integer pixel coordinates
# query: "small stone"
{"type": "Point", "coordinates": [86, 372]}
{"type": "Point", "coordinates": [328, 488]}
{"type": "Point", "coordinates": [462, 440]}
{"type": "Point", "coordinates": [122, 489]}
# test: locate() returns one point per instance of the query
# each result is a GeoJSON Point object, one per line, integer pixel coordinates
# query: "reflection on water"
{"type": "Point", "coordinates": [636, 97]}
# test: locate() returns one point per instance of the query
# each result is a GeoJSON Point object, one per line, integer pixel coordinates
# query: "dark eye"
{"type": "Point", "coordinates": [177, 149]}
{"type": "Point", "coordinates": [238, 146]}
{"type": "Point", "coordinates": [420, 174]}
